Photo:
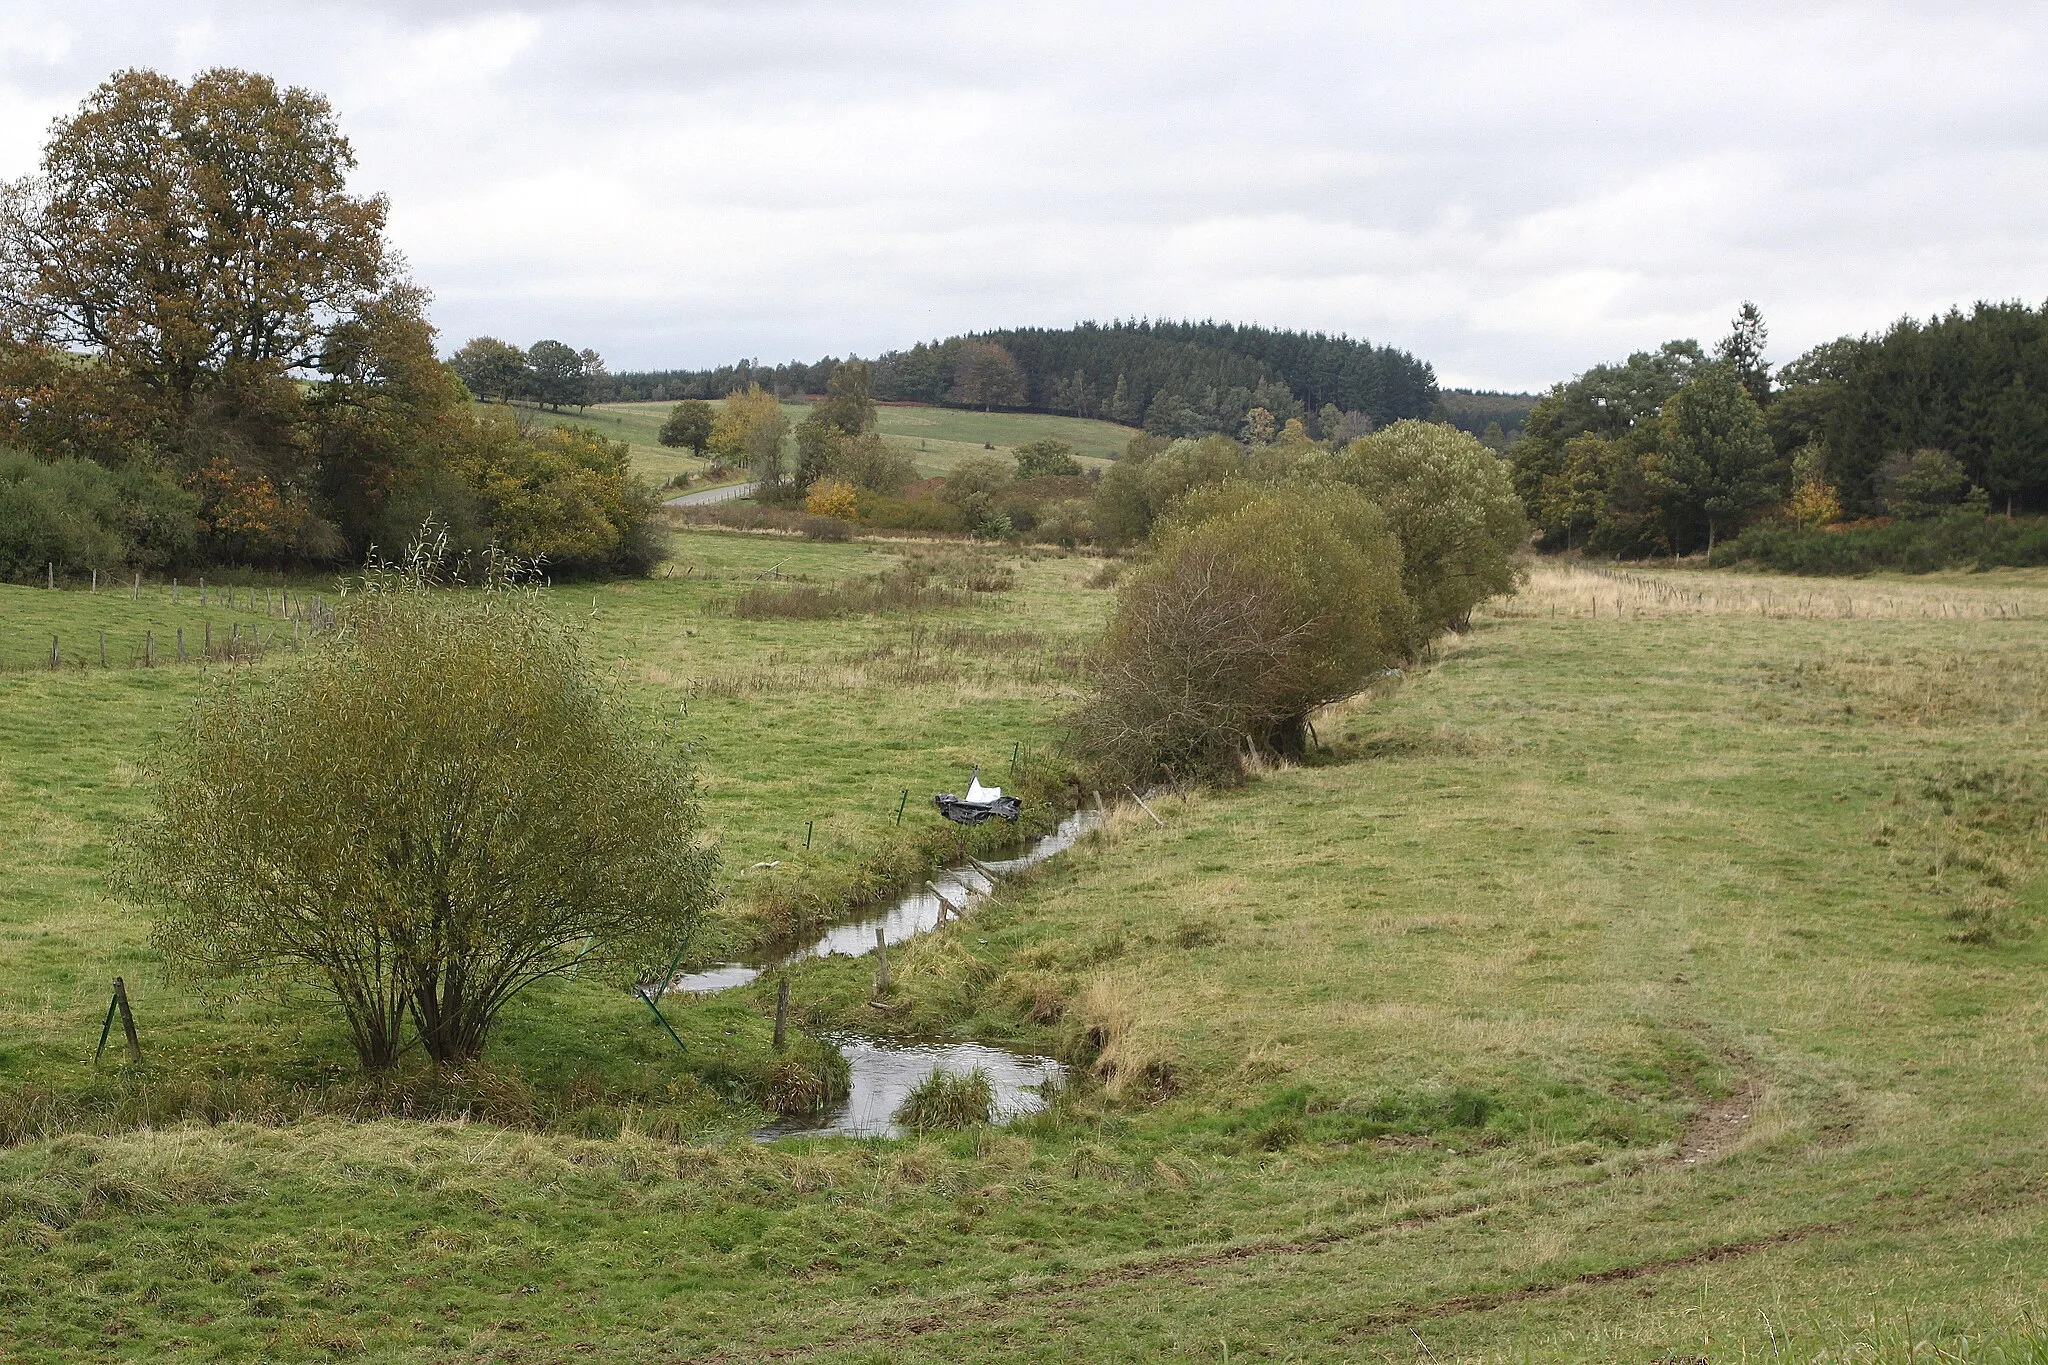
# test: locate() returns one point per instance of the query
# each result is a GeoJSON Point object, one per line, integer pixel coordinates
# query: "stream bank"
{"type": "Point", "coordinates": [884, 1072]}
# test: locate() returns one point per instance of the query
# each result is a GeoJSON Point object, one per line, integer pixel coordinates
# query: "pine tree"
{"type": "Point", "coordinates": [1121, 406]}
{"type": "Point", "coordinates": [1743, 351]}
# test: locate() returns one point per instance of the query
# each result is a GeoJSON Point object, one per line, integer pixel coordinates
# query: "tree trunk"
{"type": "Point", "coordinates": [1288, 738]}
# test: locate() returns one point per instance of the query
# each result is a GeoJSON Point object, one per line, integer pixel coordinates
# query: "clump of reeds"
{"type": "Point", "coordinates": [795, 1087]}
{"type": "Point", "coordinates": [942, 1100]}
{"type": "Point", "coordinates": [898, 590]}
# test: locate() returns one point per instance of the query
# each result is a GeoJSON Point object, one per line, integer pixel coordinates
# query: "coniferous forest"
{"type": "Point", "coordinates": [1171, 378]}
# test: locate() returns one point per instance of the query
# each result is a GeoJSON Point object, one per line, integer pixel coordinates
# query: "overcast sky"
{"type": "Point", "coordinates": [1512, 191]}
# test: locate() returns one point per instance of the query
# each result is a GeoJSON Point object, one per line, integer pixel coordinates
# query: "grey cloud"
{"type": "Point", "coordinates": [1511, 190]}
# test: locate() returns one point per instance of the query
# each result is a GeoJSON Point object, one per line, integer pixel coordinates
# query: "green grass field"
{"type": "Point", "coordinates": [935, 438]}
{"type": "Point", "coordinates": [1655, 975]}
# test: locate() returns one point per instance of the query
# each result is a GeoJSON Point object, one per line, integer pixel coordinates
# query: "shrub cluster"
{"type": "Point", "coordinates": [1277, 581]}
{"type": "Point", "coordinates": [77, 515]}
{"type": "Point", "coordinates": [1965, 538]}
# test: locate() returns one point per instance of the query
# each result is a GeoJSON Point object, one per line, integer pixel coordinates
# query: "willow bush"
{"type": "Point", "coordinates": [437, 808]}
{"type": "Point", "coordinates": [1450, 501]}
{"type": "Point", "coordinates": [1257, 606]}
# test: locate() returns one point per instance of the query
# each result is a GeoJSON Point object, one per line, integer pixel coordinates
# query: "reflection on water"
{"type": "Point", "coordinates": [916, 913]}
{"type": "Point", "coordinates": [884, 1074]}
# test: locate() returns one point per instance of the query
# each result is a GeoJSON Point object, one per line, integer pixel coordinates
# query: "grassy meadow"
{"type": "Point", "coordinates": [936, 439]}
{"type": "Point", "coordinates": [1655, 974]}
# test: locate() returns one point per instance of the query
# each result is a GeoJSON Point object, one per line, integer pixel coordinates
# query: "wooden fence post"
{"type": "Point", "coordinates": [103, 648]}
{"type": "Point", "coordinates": [781, 1011]}
{"type": "Point", "coordinates": [881, 962]}
{"type": "Point", "coordinates": [56, 658]}
{"type": "Point", "coordinates": [149, 649]}
{"type": "Point", "coordinates": [127, 1020]}
{"type": "Point", "coordinates": [181, 644]}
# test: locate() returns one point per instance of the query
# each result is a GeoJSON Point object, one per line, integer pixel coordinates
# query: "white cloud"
{"type": "Point", "coordinates": [1513, 191]}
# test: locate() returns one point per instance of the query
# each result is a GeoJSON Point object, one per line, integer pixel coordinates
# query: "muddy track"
{"type": "Point", "coordinates": [1718, 1124]}
{"type": "Point", "coordinates": [1486, 1303]}
{"type": "Point", "coordinates": [1073, 1294]}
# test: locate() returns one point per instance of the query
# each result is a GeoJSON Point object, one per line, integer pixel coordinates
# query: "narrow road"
{"type": "Point", "coordinates": [732, 492]}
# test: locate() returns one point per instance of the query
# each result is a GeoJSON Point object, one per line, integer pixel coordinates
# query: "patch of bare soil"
{"type": "Point", "coordinates": [1719, 1124]}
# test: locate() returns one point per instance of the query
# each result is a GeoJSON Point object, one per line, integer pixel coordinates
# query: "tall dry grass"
{"type": "Point", "coordinates": [1560, 588]}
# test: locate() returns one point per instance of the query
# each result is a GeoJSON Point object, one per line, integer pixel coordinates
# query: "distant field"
{"type": "Point", "coordinates": [937, 438]}
{"type": "Point", "coordinates": [637, 424]}
{"type": "Point", "coordinates": [941, 437]}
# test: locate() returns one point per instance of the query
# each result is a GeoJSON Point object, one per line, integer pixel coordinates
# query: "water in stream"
{"type": "Point", "coordinates": [885, 1073]}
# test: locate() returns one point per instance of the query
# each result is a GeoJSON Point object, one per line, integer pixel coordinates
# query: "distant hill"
{"type": "Point", "coordinates": [1172, 378]}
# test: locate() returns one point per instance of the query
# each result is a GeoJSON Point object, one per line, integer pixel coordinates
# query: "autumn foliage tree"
{"type": "Point", "coordinates": [986, 375]}
{"type": "Point", "coordinates": [189, 288]}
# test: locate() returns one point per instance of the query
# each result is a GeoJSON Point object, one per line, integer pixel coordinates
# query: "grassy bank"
{"type": "Point", "coordinates": [1653, 976]}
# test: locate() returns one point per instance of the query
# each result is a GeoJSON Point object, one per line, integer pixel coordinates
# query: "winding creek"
{"type": "Point", "coordinates": [884, 1073]}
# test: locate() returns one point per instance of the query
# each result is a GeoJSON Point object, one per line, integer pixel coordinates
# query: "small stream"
{"type": "Point", "coordinates": [884, 1073]}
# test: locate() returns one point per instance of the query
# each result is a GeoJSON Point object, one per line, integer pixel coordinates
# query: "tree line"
{"type": "Point", "coordinates": [549, 373]}
{"type": "Point", "coordinates": [1170, 378]}
{"type": "Point", "coordinates": [1672, 450]}
{"type": "Point", "coordinates": [209, 352]}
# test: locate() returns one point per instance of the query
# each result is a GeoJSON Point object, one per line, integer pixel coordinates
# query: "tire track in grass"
{"type": "Point", "coordinates": [998, 1304]}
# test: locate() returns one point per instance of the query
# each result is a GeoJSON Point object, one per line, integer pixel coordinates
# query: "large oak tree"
{"type": "Point", "coordinates": [183, 233]}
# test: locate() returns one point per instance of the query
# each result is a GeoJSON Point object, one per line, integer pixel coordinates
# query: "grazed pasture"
{"type": "Point", "coordinates": [1661, 983]}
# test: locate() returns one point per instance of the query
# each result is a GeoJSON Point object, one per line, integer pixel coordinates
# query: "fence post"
{"type": "Point", "coordinates": [149, 648]}
{"type": "Point", "coordinates": [49, 574]}
{"type": "Point", "coordinates": [95, 582]}
{"type": "Point", "coordinates": [106, 1031]}
{"type": "Point", "coordinates": [56, 658]}
{"type": "Point", "coordinates": [202, 592]}
{"type": "Point", "coordinates": [136, 596]}
{"type": "Point", "coordinates": [881, 962]}
{"type": "Point", "coordinates": [103, 649]}
{"type": "Point", "coordinates": [181, 644]}
{"type": "Point", "coordinates": [781, 1011]}
{"type": "Point", "coordinates": [127, 1020]}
